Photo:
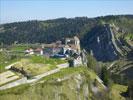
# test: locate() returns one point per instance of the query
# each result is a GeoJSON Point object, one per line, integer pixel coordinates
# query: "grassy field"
{"type": "Point", "coordinates": [117, 90]}
{"type": "Point", "coordinates": [72, 70]}
{"type": "Point", "coordinates": [45, 60]}
{"type": "Point", "coordinates": [5, 63]}
{"type": "Point", "coordinates": [7, 59]}
{"type": "Point", "coordinates": [22, 47]}
{"type": "Point", "coordinates": [35, 65]}
{"type": "Point", "coordinates": [19, 48]}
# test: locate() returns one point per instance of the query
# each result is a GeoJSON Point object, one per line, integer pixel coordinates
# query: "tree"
{"type": "Point", "coordinates": [91, 61]}
{"type": "Point", "coordinates": [130, 90]}
{"type": "Point", "coordinates": [105, 75]}
{"type": "Point", "coordinates": [71, 63]}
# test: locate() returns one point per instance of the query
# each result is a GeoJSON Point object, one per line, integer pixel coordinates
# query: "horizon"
{"type": "Point", "coordinates": [65, 17]}
{"type": "Point", "coordinates": [28, 10]}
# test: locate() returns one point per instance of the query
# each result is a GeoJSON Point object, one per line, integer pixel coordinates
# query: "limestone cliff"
{"type": "Point", "coordinates": [104, 43]}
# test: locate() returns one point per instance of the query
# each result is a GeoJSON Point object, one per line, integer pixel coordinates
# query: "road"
{"type": "Point", "coordinates": [24, 80]}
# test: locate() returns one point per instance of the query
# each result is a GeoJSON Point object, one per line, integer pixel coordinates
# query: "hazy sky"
{"type": "Point", "coordinates": [22, 10]}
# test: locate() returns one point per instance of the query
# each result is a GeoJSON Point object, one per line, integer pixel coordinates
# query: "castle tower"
{"type": "Point", "coordinates": [77, 44]}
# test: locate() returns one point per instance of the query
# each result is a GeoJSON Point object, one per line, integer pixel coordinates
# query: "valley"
{"type": "Point", "coordinates": [67, 59]}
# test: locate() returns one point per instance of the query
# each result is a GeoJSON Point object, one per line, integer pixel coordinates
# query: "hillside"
{"type": "Point", "coordinates": [105, 43]}
{"type": "Point", "coordinates": [69, 84]}
{"type": "Point", "coordinates": [51, 30]}
{"type": "Point", "coordinates": [117, 31]}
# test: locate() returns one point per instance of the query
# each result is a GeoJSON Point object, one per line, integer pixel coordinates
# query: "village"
{"type": "Point", "coordinates": [43, 61]}
{"type": "Point", "coordinates": [69, 50]}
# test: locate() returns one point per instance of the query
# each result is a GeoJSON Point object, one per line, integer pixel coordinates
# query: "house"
{"type": "Point", "coordinates": [56, 50]}
{"type": "Point", "coordinates": [66, 48]}
{"type": "Point", "coordinates": [77, 60]}
{"type": "Point", "coordinates": [39, 51]}
{"type": "Point", "coordinates": [29, 51]}
{"type": "Point", "coordinates": [58, 43]}
{"type": "Point", "coordinates": [72, 45]}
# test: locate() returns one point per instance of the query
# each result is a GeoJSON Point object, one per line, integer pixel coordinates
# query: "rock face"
{"type": "Point", "coordinates": [102, 43]}
{"type": "Point", "coordinates": [105, 44]}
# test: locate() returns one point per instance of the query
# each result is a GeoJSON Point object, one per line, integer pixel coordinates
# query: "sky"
{"type": "Point", "coordinates": [23, 10]}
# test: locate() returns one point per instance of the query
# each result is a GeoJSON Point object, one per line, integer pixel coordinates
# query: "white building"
{"type": "Point", "coordinates": [77, 61]}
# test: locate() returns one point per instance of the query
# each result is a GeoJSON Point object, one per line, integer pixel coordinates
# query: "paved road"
{"type": "Point", "coordinates": [36, 78]}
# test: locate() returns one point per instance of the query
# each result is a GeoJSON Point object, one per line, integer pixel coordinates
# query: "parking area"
{"type": "Point", "coordinates": [7, 76]}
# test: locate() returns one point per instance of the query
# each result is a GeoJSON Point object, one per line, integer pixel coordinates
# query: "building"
{"type": "Point", "coordinates": [77, 61]}
{"type": "Point", "coordinates": [39, 51]}
{"type": "Point", "coordinates": [29, 51]}
{"type": "Point", "coordinates": [73, 44]}
{"type": "Point", "coordinates": [69, 50]}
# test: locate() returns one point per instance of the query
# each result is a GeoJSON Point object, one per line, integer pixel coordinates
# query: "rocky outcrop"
{"type": "Point", "coordinates": [103, 44]}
